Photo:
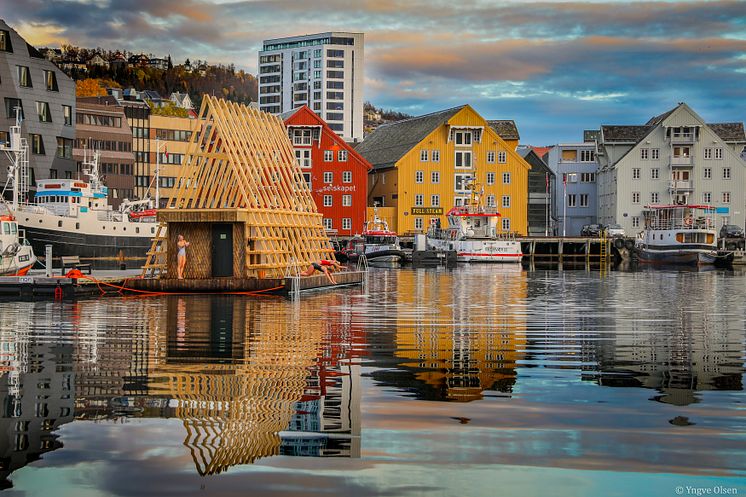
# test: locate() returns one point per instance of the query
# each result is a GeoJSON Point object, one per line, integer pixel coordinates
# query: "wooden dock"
{"type": "Point", "coordinates": [553, 249]}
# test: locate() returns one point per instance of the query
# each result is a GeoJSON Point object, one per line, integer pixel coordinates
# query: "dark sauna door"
{"type": "Point", "coordinates": [222, 250]}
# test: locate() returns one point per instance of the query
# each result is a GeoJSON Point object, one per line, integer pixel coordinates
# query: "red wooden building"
{"type": "Point", "coordinates": [336, 174]}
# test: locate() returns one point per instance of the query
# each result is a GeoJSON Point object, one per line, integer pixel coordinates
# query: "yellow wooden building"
{"type": "Point", "coordinates": [421, 167]}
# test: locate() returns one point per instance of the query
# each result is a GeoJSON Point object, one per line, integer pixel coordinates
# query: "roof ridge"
{"type": "Point", "coordinates": [410, 119]}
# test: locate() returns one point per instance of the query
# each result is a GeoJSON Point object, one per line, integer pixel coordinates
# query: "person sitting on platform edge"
{"type": "Point", "coordinates": [315, 266]}
{"type": "Point", "coordinates": [181, 256]}
{"type": "Point", "coordinates": [332, 266]}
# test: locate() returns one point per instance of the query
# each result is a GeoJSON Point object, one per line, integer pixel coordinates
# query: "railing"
{"type": "Point", "coordinates": [681, 185]}
{"type": "Point", "coordinates": [683, 138]}
{"type": "Point", "coordinates": [681, 161]}
{"type": "Point", "coordinates": [681, 224]}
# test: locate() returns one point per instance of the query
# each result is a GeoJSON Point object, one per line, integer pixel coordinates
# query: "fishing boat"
{"type": "Point", "coordinates": [472, 232]}
{"type": "Point", "coordinates": [377, 242]}
{"type": "Point", "coordinates": [678, 234]}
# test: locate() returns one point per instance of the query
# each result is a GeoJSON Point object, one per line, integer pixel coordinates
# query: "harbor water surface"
{"type": "Point", "coordinates": [485, 380]}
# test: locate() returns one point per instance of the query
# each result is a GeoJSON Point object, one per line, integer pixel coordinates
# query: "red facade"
{"type": "Point", "coordinates": [337, 175]}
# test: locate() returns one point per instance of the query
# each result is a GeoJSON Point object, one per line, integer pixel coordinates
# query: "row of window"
{"type": "Point", "coordinates": [419, 177]}
{"type": "Point", "coordinates": [98, 120]}
{"type": "Point", "coordinates": [706, 173]}
{"type": "Point", "coordinates": [572, 200]}
{"type": "Point", "coordinates": [464, 158]}
{"type": "Point", "coordinates": [419, 200]}
{"type": "Point", "coordinates": [706, 197]}
{"type": "Point", "coordinates": [346, 201]}
{"type": "Point", "coordinates": [173, 135]}
{"type": "Point", "coordinates": [584, 177]}
{"type": "Point", "coordinates": [346, 223]}
{"type": "Point", "coordinates": [682, 152]}
{"type": "Point", "coordinates": [115, 168]}
{"type": "Point", "coordinates": [107, 145]}
{"type": "Point", "coordinates": [64, 146]}
{"type": "Point", "coordinates": [24, 78]}
{"type": "Point", "coordinates": [43, 111]}
{"type": "Point", "coordinates": [419, 223]}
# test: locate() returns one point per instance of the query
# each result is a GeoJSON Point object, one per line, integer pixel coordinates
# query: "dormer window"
{"type": "Point", "coordinates": [301, 136]}
{"type": "Point", "coordinates": [462, 137]}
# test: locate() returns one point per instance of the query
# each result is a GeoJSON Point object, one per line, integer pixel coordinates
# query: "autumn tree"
{"type": "Point", "coordinates": [89, 87]}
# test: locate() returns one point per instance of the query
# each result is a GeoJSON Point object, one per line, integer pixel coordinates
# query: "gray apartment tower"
{"type": "Point", "coordinates": [323, 71]}
{"type": "Point", "coordinates": [46, 97]}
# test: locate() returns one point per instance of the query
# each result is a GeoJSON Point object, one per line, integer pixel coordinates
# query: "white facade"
{"type": "Point", "coordinates": [323, 71]}
{"type": "Point", "coordinates": [675, 158]}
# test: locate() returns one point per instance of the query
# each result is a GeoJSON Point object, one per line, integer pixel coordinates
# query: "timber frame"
{"type": "Point", "coordinates": [240, 169]}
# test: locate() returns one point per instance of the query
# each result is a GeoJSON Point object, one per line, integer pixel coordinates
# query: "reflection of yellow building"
{"type": "Point", "coordinates": [456, 338]}
{"type": "Point", "coordinates": [235, 369]}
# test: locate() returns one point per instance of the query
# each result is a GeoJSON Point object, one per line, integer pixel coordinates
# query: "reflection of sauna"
{"type": "Point", "coordinates": [235, 369]}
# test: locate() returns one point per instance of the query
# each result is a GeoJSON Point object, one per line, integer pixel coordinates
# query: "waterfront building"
{"type": "Point", "coordinates": [46, 98]}
{"type": "Point", "coordinates": [104, 128]}
{"type": "Point", "coordinates": [575, 194]}
{"type": "Point", "coordinates": [169, 139]}
{"type": "Point", "coordinates": [422, 166]}
{"type": "Point", "coordinates": [336, 174]}
{"type": "Point", "coordinates": [323, 71]}
{"type": "Point", "coordinates": [674, 158]}
{"type": "Point", "coordinates": [541, 185]}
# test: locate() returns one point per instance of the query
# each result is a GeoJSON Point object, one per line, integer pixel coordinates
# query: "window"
{"type": "Point", "coordinates": [572, 177]}
{"type": "Point", "coordinates": [635, 221]}
{"type": "Point", "coordinates": [635, 197]}
{"type": "Point", "coordinates": [681, 152]}
{"type": "Point", "coordinates": [707, 173]}
{"type": "Point", "coordinates": [37, 144]}
{"type": "Point", "coordinates": [67, 112]}
{"type": "Point", "coordinates": [436, 155]}
{"type": "Point", "coordinates": [419, 200]}
{"type": "Point", "coordinates": [707, 153]}
{"type": "Point", "coordinates": [328, 176]}
{"type": "Point", "coordinates": [462, 137]}
{"type": "Point", "coordinates": [335, 85]}
{"type": "Point", "coordinates": [726, 173]}
{"type": "Point", "coordinates": [463, 159]}
{"type": "Point", "coordinates": [346, 223]}
{"type": "Point", "coordinates": [435, 177]}
{"type": "Point", "coordinates": [706, 197]}
{"type": "Point", "coordinates": [346, 200]}
{"type": "Point", "coordinates": [491, 157]}
{"type": "Point", "coordinates": [418, 223]}
{"type": "Point", "coordinates": [502, 157]}
{"type": "Point", "coordinates": [583, 200]}
{"type": "Point", "coordinates": [303, 157]}
{"type": "Point", "coordinates": [335, 64]}
{"type": "Point", "coordinates": [718, 153]}
{"type": "Point", "coordinates": [307, 179]}
{"type": "Point", "coordinates": [5, 44]}
{"type": "Point", "coordinates": [42, 110]}
{"type": "Point", "coordinates": [64, 148]}
{"type": "Point", "coordinates": [460, 182]}
{"type": "Point", "coordinates": [334, 116]}
{"type": "Point", "coordinates": [726, 197]}
{"type": "Point", "coordinates": [51, 80]}
{"type": "Point", "coordinates": [654, 197]}
{"type": "Point", "coordinates": [572, 200]}
{"type": "Point", "coordinates": [506, 224]}
{"type": "Point", "coordinates": [11, 104]}
{"type": "Point", "coordinates": [506, 178]}
{"type": "Point", "coordinates": [419, 176]}
{"type": "Point", "coordinates": [506, 201]}
{"type": "Point", "coordinates": [346, 176]}
{"type": "Point", "coordinates": [342, 156]}
{"type": "Point", "coordinates": [423, 155]}
{"type": "Point", "coordinates": [435, 200]}
{"type": "Point", "coordinates": [587, 155]}
{"type": "Point", "coordinates": [24, 76]}
{"type": "Point", "coordinates": [490, 201]}
{"type": "Point", "coordinates": [328, 223]}
{"type": "Point", "coordinates": [335, 53]}
{"type": "Point", "coordinates": [644, 153]}
{"type": "Point", "coordinates": [490, 178]}
{"type": "Point", "coordinates": [587, 177]}
{"type": "Point", "coordinates": [655, 154]}
{"type": "Point", "coordinates": [654, 173]}
{"type": "Point", "coordinates": [635, 173]}
{"type": "Point", "coordinates": [327, 200]}
{"type": "Point", "coordinates": [328, 155]}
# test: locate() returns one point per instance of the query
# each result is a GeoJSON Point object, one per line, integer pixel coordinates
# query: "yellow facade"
{"type": "Point", "coordinates": [430, 170]}
{"type": "Point", "coordinates": [168, 134]}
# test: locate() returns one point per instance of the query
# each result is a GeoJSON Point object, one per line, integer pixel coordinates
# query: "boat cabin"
{"type": "Point", "coordinates": [67, 197]}
{"type": "Point", "coordinates": [678, 217]}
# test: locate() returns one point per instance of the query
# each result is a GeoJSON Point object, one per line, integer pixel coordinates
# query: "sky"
{"type": "Point", "coordinates": [556, 68]}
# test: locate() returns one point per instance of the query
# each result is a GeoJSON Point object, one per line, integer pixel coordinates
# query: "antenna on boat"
{"type": "Point", "coordinates": [17, 152]}
{"type": "Point", "coordinates": [90, 169]}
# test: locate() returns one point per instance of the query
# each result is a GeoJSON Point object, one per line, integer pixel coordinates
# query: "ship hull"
{"type": "Point", "coordinates": [87, 246]}
{"type": "Point", "coordinates": [690, 257]}
{"type": "Point", "coordinates": [471, 250]}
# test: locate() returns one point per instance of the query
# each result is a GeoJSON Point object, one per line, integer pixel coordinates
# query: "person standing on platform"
{"type": "Point", "coordinates": [182, 245]}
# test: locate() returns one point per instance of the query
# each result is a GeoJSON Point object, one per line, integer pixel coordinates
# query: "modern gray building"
{"type": "Point", "coordinates": [46, 96]}
{"type": "Point", "coordinates": [575, 195]}
{"type": "Point", "coordinates": [541, 188]}
{"type": "Point", "coordinates": [674, 158]}
{"type": "Point", "coordinates": [323, 71]}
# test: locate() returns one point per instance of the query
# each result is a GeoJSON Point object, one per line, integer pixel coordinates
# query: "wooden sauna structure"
{"type": "Point", "coordinates": [241, 203]}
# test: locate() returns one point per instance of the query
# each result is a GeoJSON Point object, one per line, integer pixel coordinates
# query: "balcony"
{"type": "Point", "coordinates": [683, 138]}
{"type": "Point", "coordinates": [681, 162]}
{"type": "Point", "coordinates": [681, 186]}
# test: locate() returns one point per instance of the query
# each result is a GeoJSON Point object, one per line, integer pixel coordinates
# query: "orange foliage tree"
{"type": "Point", "coordinates": [89, 87]}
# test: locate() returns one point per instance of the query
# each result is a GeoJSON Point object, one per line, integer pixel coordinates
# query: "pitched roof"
{"type": "Point", "coordinates": [289, 113]}
{"type": "Point", "coordinates": [390, 142]}
{"type": "Point", "coordinates": [614, 133]}
{"type": "Point", "coordinates": [505, 128]}
{"type": "Point", "coordinates": [729, 132]}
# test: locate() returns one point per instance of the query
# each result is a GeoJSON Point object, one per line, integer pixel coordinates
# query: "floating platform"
{"type": "Point", "coordinates": [47, 288]}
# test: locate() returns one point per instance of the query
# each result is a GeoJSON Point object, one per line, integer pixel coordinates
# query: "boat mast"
{"type": "Point", "coordinates": [17, 152]}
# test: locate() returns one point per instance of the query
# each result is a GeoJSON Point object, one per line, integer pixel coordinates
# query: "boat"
{"type": "Point", "coordinates": [74, 216]}
{"type": "Point", "coordinates": [16, 255]}
{"type": "Point", "coordinates": [678, 234]}
{"type": "Point", "coordinates": [472, 232]}
{"type": "Point", "coordinates": [377, 243]}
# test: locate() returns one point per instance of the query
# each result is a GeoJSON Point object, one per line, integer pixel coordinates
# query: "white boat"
{"type": "Point", "coordinates": [378, 243]}
{"type": "Point", "coordinates": [472, 233]}
{"type": "Point", "coordinates": [75, 217]}
{"type": "Point", "coordinates": [16, 254]}
{"type": "Point", "coordinates": [678, 234]}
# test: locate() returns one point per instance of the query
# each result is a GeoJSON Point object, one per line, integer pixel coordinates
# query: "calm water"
{"type": "Point", "coordinates": [482, 381]}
